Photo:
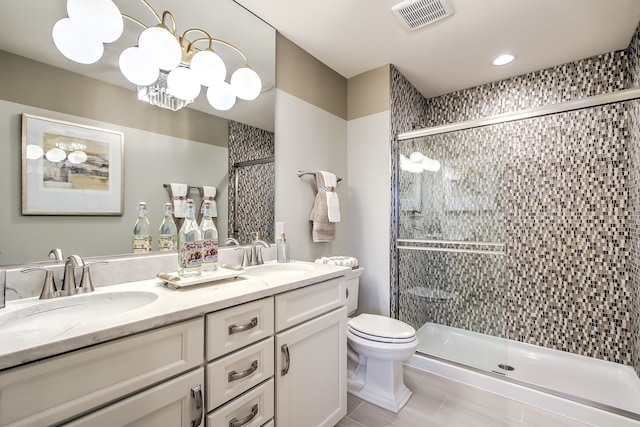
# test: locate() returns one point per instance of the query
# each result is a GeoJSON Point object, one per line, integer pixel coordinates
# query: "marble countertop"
{"type": "Point", "coordinates": [21, 344]}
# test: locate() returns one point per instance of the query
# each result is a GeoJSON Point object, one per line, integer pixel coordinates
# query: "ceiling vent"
{"type": "Point", "coordinates": [416, 14]}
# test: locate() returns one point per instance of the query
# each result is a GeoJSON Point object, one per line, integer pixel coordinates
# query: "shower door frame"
{"type": "Point", "coordinates": [593, 101]}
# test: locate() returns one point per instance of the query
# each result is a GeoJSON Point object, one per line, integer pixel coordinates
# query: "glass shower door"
{"type": "Point", "coordinates": [451, 246]}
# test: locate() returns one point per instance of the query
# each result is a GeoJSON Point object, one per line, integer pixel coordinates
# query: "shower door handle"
{"type": "Point", "coordinates": [287, 360]}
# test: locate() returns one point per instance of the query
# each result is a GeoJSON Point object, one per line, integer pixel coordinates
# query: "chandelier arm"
{"type": "Point", "coordinates": [246, 61]}
{"type": "Point", "coordinates": [173, 21]}
{"type": "Point", "coordinates": [153, 11]}
{"type": "Point", "coordinates": [213, 40]}
{"type": "Point", "coordinates": [192, 43]}
{"type": "Point", "coordinates": [134, 20]}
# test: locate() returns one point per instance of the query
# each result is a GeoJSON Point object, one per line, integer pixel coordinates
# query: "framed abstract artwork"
{"type": "Point", "coordinates": [71, 169]}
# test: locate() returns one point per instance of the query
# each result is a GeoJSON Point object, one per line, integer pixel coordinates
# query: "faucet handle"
{"type": "Point", "coordinates": [259, 255]}
{"type": "Point", "coordinates": [245, 260]}
{"type": "Point", "coordinates": [49, 286]}
{"type": "Point", "coordinates": [86, 285]}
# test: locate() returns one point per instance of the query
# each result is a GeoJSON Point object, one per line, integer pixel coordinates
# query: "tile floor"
{"type": "Point", "coordinates": [439, 402]}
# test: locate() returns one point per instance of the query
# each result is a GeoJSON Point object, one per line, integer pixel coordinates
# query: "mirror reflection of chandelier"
{"type": "Point", "coordinates": [168, 69]}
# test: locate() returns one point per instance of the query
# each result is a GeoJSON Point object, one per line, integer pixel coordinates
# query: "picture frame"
{"type": "Point", "coordinates": [411, 192]}
{"type": "Point", "coordinates": [469, 184]}
{"type": "Point", "coordinates": [70, 168]}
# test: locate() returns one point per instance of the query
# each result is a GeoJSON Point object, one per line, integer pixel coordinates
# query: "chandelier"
{"type": "Point", "coordinates": [168, 69]}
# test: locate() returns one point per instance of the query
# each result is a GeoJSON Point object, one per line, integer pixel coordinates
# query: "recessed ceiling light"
{"type": "Point", "coordinates": [503, 59]}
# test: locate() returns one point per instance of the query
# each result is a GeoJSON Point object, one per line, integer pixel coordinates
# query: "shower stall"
{"type": "Point", "coordinates": [513, 247]}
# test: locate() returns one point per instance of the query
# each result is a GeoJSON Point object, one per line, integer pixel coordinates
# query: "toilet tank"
{"type": "Point", "coordinates": [353, 286]}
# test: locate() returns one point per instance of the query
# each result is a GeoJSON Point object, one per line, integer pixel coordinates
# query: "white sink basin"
{"type": "Point", "coordinates": [66, 312]}
{"type": "Point", "coordinates": [280, 269]}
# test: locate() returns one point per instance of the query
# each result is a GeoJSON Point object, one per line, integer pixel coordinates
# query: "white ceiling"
{"type": "Point", "coordinates": [26, 31]}
{"type": "Point", "coordinates": [354, 36]}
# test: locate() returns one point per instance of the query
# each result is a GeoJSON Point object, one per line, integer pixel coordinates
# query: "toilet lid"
{"type": "Point", "coordinates": [381, 328]}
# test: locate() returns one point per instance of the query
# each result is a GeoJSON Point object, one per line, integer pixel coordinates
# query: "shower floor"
{"type": "Point", "coordinates": [581, 377]}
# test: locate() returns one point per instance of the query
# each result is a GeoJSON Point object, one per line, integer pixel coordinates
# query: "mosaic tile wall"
{"type": "Point", "coordinates": [568, 281]}
{"type": "Point", "coordinates": [633, 111]}
{"type": "Point", "coordinates": [256, 188]}
{"type": "Point", "coordinates": [408, 112]}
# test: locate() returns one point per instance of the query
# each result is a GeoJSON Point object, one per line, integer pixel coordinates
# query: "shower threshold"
{"type": "Point", "coordinates": [581, 387]}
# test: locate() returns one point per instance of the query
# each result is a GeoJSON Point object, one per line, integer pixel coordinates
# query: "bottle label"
{"type": "Point", "coordinates": [167, 242]}
{"type": "Point", "coordinates": [191, 254]}
{"type": "Point", "coordinates": [141, 243]}
{"type": "Point", "coordinates": [210, 250]}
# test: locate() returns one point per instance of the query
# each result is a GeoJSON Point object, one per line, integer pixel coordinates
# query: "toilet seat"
{"type": "Point", "coordinates": [381, 329]}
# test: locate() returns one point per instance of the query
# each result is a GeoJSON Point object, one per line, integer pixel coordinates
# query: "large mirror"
{"type": "Point", "coordinates": [198, 145]}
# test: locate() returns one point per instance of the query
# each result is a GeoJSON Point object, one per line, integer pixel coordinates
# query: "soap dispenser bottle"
{"type": "Point", "coordinates": [282, 250]}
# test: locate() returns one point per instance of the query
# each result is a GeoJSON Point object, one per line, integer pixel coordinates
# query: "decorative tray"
{"type": "Point", "coordinates": [172, 280]}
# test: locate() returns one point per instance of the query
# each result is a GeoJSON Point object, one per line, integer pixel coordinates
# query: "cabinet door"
{"type": "Point", "coordinates": [300, 305]}
{"type": "Point", "coordinates": [311, 372]}
{"type": "Point", "coordinates": [60, 388]}
{"type": "Point", "coordinates": [175, 403]}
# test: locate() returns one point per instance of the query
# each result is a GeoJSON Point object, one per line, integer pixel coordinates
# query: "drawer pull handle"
{"type": "Point", "coordinates": [287, 360]}
{"type": "Point", "coordinates": [196, 392]}
{"type": "Point", "coordinates": [233, 375]}
{"type": "Point", "coordinates": [242, 421]}
{"type": "Point", "coordinates": [234, 329]}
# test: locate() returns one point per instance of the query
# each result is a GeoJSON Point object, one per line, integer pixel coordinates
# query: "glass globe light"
{"type": "Point", "coordinates": [208, 67]}
{"type": "Point", "coordinates": [416, 157]}
{"type": "Point", "coordinates": [74, 44]}
{"type": "Point", "coordinates": [246, 83]}
{"type": "Point", "coordinates": [431, 165]}
{"type": "Point", "coordinates": [136, 66]}
{"type": "Point", "coordinates": [99, 19]}
{"type": "Point", "coordinates": [77, 157]}
{"type": "Point", "coordinates": [221, 96]}
{"type": "Point", "coordinates": [161, 47]}
{"type": "Point", "coordinates": [182, 84]}
{"type": "Point", "coordinates": [34, 152]}
{"type": "Point", "coordinates": [56, 155]}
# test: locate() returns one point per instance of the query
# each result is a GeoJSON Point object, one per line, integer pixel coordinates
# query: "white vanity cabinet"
{"type": "Point", "coordinates": [176, 403]}
{"type": "Point", "coordinates": [240, 364]}
{"type": "Point", "coordinates": [278, 360]}
{"type": "Point", "coordinates": [311, 370]}
{"type": "Point", "coordinates": [61, 388]}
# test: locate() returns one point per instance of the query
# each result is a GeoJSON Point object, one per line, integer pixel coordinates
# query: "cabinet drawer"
{"type": "Point", "coordinates": [172, 403]}
{"type": "Point", "coordinates": [252, 409]}
{"type": "Point", "coordinates": [47, 392]}
{"type": "Point", "coordinates": [302, 304]}
{"type": "Point", "coordinates": [236, 327]}
{"type": "Point", "coordinates": [236, 373]}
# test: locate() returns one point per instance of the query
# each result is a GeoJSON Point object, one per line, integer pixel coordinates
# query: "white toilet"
{"type": "Point", "coordinates": [377, 347]}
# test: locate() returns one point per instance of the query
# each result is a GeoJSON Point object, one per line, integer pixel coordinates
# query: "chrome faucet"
{"type": "Point", "coordinates": [69, 278]}
{"type": "Point", "coordinates": [56, 253]}
{"type": "Point", "coordinates": [231, 240]}
{"type": "Point", "coordinates": [256, 252]}
{"type": "Point", "coordinates": [68, 286]}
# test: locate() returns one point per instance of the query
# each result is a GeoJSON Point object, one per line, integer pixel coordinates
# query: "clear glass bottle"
{"type": "Point", "coordinates": [168, 232]}
{"type": "Point", "coordinates": [189, 245]}
{"type": "Point", "coordinates": [282, 250]}
{"type": "Point", "coordinates": [209, 238]}
{"type": "Point", "coordinates": [141, 241]}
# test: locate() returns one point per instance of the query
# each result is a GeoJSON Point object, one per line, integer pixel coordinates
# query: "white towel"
{"type": "Point", "coordinates": [333, 204]}
{"type": "Point", "coordinates": [209, 193]}
{"type": "Point", "coordinates": [179, 193]}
